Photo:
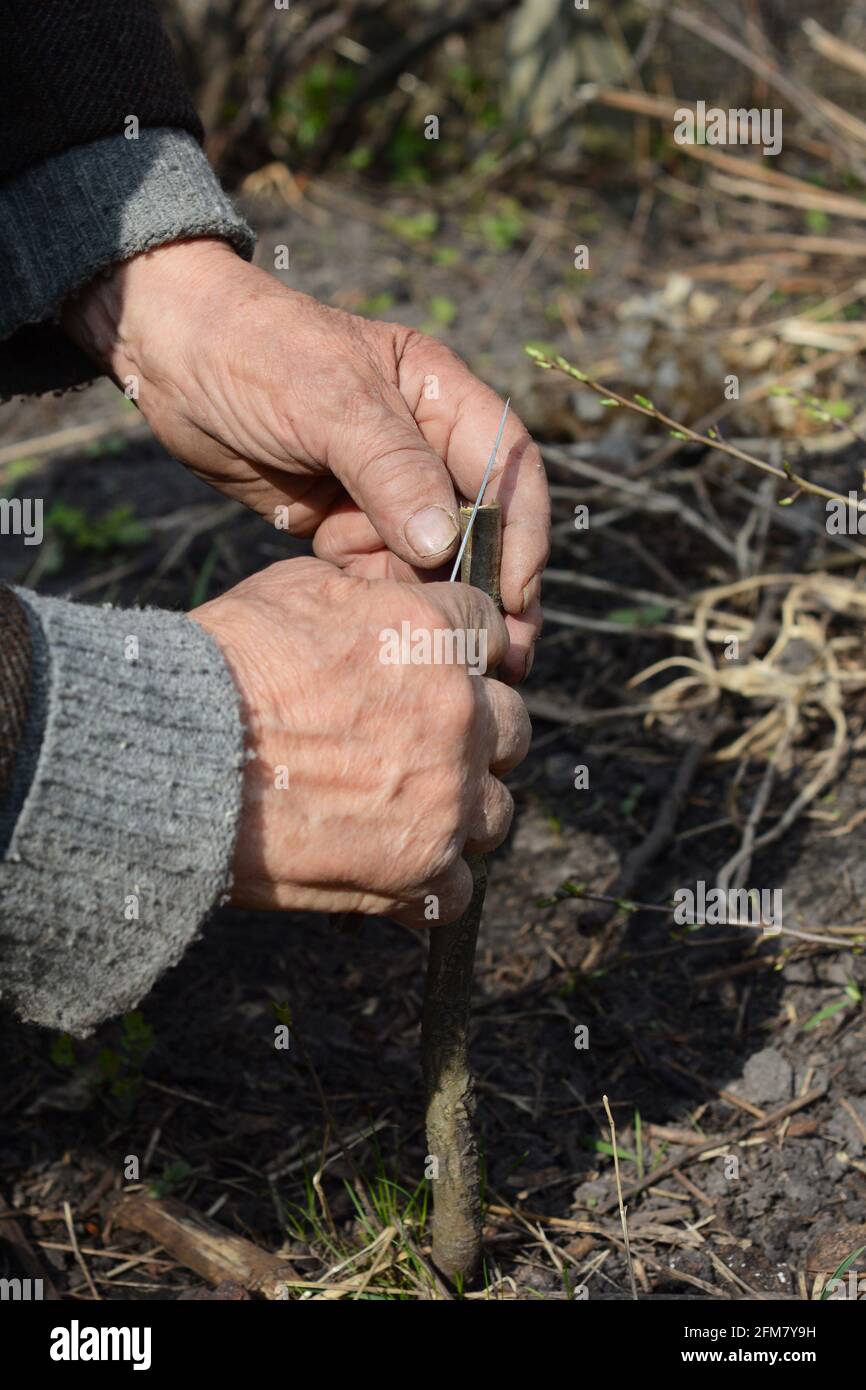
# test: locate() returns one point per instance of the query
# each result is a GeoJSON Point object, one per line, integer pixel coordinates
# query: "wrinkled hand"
{"type": "Point", "coordinates": [282, 402]}
{"type": "Point", "coordinates": [368, 779]}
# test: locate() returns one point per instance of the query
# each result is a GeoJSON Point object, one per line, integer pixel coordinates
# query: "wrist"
{"type": "Point", "coordinates": [131, 317]}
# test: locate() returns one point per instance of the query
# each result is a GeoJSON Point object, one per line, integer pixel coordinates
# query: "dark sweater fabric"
{"type": "Point", "coordinates": [16, 654]}
{"type": "Point", "coordinates": [73, 71]}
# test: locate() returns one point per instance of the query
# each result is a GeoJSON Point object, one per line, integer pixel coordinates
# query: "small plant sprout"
{"type": "Point", "coordinates": [641, 406]}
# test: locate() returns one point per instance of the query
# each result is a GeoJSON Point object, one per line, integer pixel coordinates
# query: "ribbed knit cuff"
{"type": "Point", "coordinates": [67, 219]}
{"type": "Point", "coordinates": [125, 839]}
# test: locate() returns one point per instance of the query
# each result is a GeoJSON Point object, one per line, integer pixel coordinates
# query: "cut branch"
{"type": "Point", "coordinates": [204, 1246]}
{"type": "Point", "coordinates": [641, 406]}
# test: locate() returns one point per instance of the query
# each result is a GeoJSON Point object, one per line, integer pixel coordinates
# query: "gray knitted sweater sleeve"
{"type": "Point", "coordinates": [117, 830]}
{"type": "Point", "coordinates": [131, 764]}
{"type": "Point", "coordinates": [67, 219]}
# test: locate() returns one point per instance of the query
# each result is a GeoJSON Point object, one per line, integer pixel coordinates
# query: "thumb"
{"type": "Point", "coordinates": [400, 483]}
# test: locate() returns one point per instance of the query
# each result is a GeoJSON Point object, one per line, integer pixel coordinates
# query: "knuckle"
{"type": "Point", "coordinates": [382, 450]}
{"type": "Point", "coordinates": [458, 702]}
{"type": "Point", "coordinates": [500, 821]}
{"type": "Point", "coordinates": [510, 725]}
{"type": "Point", "coordinates": [443, 833]}
{"type": "Point", "coordinates": [438, 353]}
{"type": "Point", "coordinates": [437, 856]}
{"type": "Point", "coordinates": [458, 898]}
{"type": "Point", "coordinates": [493, 817]}
{"type": "Point", "coordinates": [425, 610]}
{"type": "Point", "coordinates": [516, 720]}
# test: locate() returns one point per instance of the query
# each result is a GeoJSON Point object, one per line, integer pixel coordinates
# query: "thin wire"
{"type": "Point", "coordinates": [488, 470]}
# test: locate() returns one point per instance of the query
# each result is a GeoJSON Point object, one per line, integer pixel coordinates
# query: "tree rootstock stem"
{"type": "Point", "coordinates": [448, 1081]}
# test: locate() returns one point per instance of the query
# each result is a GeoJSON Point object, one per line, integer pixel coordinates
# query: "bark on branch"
{"type": "Point", "coordinates": [447, 1000]}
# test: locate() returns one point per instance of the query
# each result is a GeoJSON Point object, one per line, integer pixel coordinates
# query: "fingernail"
{"type": "Point", "coordinates": [430, 531]}
{"type": "Point", "coordinates": [530, 657]}
{"type": "Point", "coordinates": [532, 592]}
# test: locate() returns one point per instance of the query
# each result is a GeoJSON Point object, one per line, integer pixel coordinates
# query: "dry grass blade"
{"type": "Point", "coordinates": [834, 49]}
{"type": "Point", "coordinates": [79, 1258]}
{"type": "Point", "coordinates": [622, 1210]}
{"type": "Point", "coordinates": [813, 107]}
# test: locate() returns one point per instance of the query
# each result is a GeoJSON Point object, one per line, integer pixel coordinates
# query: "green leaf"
{"type": "Point", "coordinates": [566, 366]}
{"type": "Point", "coordinates": [376, 305]}
{"type": "Point", "coordinates": [419, 227]}
{"type": "Point", "coordinates": [504, 226]}
{"type": "Point", "coordinates": [118, 527]}
{"type": "Point", "coordinates": [137, 1037]}
{"type": "Point", "coordinates": [171, 1177]}
{"type": "Point", "coordinates": [360, 158]}
{"type": "Point", "coordinates": [639, 617]}
{"type": "Point", "coordinates": [574, 890]}
{"type": "Point", "coordinates": [203, 579]}
{"type": "Point", "coordinates": [16, 472]}
{"type": "Point", "coordinates": [63, 1051]}
{"type": "Point", "coordinates": [828, 1011]}
{"type": "Point", "coordinates": [632, 797]}
{"type": "Point", "coordinates": [838, 410]}
{"type": "Point", "coordinates": [540, 352]}
{"type": "Point", "coordinates": [841, 1272]}
{"type": "Point", "coordinates": [647, 404]}
{"type": "Point", "coordinates": [817, 221]}
{"type": "Point", "coordinates": [109, 1064]}
{"type": "Point", "coordinates": [110, 444]}
{"type": "Point", "coordinates": [601, 1146]}
{"type": "Point", "coordinates": [443, 310]}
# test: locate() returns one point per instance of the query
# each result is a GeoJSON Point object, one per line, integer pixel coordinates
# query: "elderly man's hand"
{"type": "Point", "coordinates": [362, 433]}
{"type": "Point", "coordinates": [368, 776]}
